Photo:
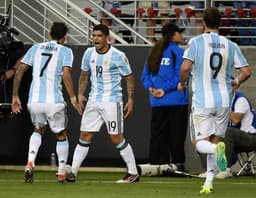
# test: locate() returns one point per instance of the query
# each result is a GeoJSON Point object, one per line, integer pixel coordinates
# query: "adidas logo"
{"type": "Point", "coordinates": [199, 134]}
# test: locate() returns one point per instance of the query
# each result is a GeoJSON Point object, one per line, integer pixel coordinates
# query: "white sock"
{"type": "Point", "coordinates": [205, 147]}
{"type": "Point", "coordinates": [62, 153]}
{"type": "Point", "coordinates": [79, 156]}
{"type": "Point", "coordinates": [34, 145]}
{"type": "Point", "coordinates": [128, 157]}
{"type": "Point", "coordinates": [211, 170]}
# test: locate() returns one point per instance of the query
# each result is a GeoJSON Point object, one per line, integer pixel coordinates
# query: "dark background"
{"type": "Point", "coordinates": [16, 131]}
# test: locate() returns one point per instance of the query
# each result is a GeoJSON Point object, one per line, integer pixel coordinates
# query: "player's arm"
{"type": "Point", "coordinates": [68, 82]}
{"type": "Point", "coordinates": [236, 117]}
{"type": "Point", "coordinates": [16, 104]}
{"type": "Point", "coordinates": [130, 93]}
{"type": "Point", "coordinates": [83, 82]}
{"type": "Point", "coordinates": [245, 73]}
{"type": "Point", "coordinates": [184, 73]}
{"type": "Point", "coordinates": [11, 72]}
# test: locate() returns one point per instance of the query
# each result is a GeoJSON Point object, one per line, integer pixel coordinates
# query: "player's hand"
{"type": "Point", "coordinates": [82, 101]}
{"type": "Point", "coordinates": [128, 107]}
{"type": "Point", "coordinates": [180, 87]}
{"type": "Point", "coordinates": [16, 105]}
{"type": "Point", "coordinates": [234, 84]}
{"type": "Point", "coordinates": [78, 108]}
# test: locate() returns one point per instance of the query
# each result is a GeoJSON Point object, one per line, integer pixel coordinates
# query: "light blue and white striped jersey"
{"type": "Point", "coordinates": [106, 73]}
{"type": "Point", "coordinates": [47, 61]}
{"type": "Point", "coordinates": [213, 58]}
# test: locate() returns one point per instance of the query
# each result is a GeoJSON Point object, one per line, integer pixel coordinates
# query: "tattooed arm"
{"type": "Point", "coordinates": [83, 82]}
{"type": "Point", "coordinates": [16, 104]}
{"type": "Point", "coordinates": [130, 92]}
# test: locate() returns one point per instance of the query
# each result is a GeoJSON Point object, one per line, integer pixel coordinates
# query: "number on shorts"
{"type": "Point", "coordinates": [49, 56]}
{"type": "Point", "coordinates": [217, 67]}
{"type": "Point", "coordinates": [111, 125]}
{"type": "Point", "coordinates": [99, 70]}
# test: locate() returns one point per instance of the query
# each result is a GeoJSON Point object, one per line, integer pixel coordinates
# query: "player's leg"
{"type": "Point", "coordinates": [38, 119]}
{"type": "Point", "coordinates": [201, 129]}
{"type": "Point", "coordinates": [91, 122]}
{"type": "Point", "coordinates": [62, 148]}
{"type": "Point", "coordinates": [57, 120]}
{"type": "Point", "coordinates": [113, 116]}
{"type": "Point", "coordinates": [127, 155]}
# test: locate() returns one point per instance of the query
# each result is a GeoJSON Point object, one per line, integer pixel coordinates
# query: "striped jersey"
{"type": "Point", "coordinates": [213, 58]}
{"type": "Point", "coordinates": [47, 61]}
{"type": "Point", "coordinates": [106, 73]}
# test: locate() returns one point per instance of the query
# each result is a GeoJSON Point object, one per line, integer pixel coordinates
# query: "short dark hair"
{"type": "Point", "coordinates": [58, 30]}
{"type": "Point", "coordinates": [212, 18]}
{"type": "Point", "coordinates": [103, 28]}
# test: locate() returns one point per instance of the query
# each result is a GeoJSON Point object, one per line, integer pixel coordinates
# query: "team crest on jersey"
{"type": "Point", "coordinates": [126, 60]}
{"type": "Point", "coordinates": [105, 63]}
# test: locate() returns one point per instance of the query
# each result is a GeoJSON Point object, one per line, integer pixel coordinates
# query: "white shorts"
{"type": "Point", "coordinates": [97, 113]}
{"type": "Point", "coordinates": [53, 114]}
{"type": "Point", "coordinates": [209, 121]}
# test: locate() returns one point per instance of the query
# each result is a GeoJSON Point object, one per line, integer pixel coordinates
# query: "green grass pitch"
{"type": "Point", "coordinates": [102, 185]}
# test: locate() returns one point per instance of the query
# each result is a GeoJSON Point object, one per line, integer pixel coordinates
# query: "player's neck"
{"type": "Point", "coordinates": [104, 49]}
{"type": "Point", "coordinates": [208, 30]}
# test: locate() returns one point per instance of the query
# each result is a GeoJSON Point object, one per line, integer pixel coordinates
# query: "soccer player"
{"type": "Point", "coordinates": [211, 58]}
{"type": "Point", "coordinates": [106, 66]}
{"type": "Point", "coordinates": [51, 62]}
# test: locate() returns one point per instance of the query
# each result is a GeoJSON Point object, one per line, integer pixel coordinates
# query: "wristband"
{"type": "Point", "coordinates": [73, 100]}
{"type": "Point", "coordinates": [237, 81]}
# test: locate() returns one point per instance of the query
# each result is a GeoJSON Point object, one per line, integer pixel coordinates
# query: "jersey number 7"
{"type": "Point", "coordinates": [49, 56]}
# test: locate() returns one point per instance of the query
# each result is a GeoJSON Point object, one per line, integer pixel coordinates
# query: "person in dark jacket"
{"type": "Point", "coordinates": [160, 77]}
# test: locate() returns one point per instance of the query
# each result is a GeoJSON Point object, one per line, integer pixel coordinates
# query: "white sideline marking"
{"type": "Point", "coordinates": [113, 181]}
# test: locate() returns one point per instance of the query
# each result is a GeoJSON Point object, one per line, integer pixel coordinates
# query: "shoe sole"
{"type": "Point", "coordinates": [70, 180]}
{"type": "Point", "coordinates": [206, 191]}
{"type": "Point", "coordinates": [221, 157]}
{"type": "Point", "coordinates": [28, 177]}
{"type": "Point", "coordinates": [61, 181]}
{"type": "Point", "coordinates": [136, 179]}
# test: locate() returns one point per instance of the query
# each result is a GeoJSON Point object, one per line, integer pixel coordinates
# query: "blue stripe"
{"type": "Point", "coordinates": [62, 143]}
{"type": "Point", "coordinates": [100, 85]}
{"type": "Point", "coordinates": [229, 68]}
{"type": "Point", "coordinates": [199, 84]}
{"type": "Point", "coordinates": [121, 144]}
{"type": "Point", "coordinates": [43, 89]}
{"type": "Point", "coordinates": [214, 82]}
{"type": "Point", "coordinates": [28, 59]}
{"type": "Point", "coordinates": [36, 134]}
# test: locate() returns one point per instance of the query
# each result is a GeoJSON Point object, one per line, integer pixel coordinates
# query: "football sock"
{"type": "Point", "coordinates": [34, 144]}
{"type": "Point", "coordinates": [62, 153]}
{"type": "Point", "coordinates": [80, 154]}
{"type": "Point", "coordinates": [126, 153]}
{"type": "Point", "coordinates": [204, 146]}
{"type": "Point", "coordinates": [211, 170]}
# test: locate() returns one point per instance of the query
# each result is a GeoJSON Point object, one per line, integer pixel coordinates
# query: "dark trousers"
{"type": "Point", "coordinates": [168, 134]}
{"type": "Point", "coordinates": [238, 141]}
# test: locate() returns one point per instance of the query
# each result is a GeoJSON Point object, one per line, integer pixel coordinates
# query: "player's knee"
{"type": "Point", "coordinates": [61, 135]}
{"type": "Point", "coordinates": [86, 136]}
{"type": "Point", "coordinates": [40, 130]}
{"type": "Point", "coordinates": [117, 139]}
